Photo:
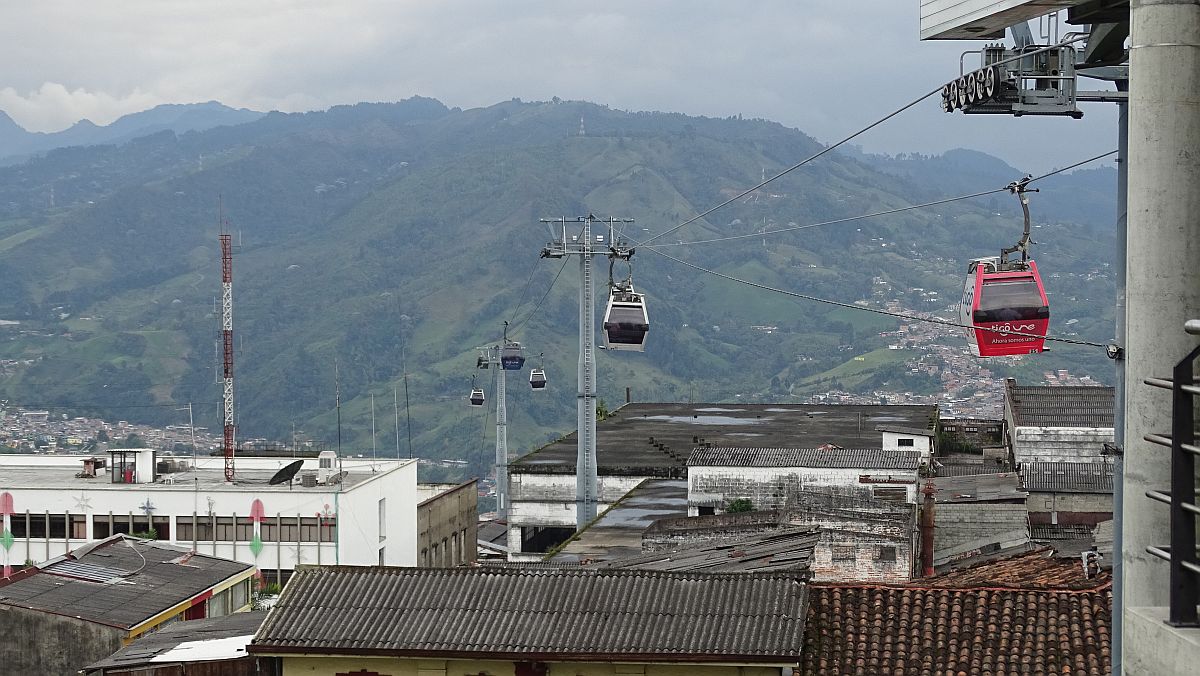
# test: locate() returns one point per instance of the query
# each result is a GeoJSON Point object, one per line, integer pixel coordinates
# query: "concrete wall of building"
{"type": "Point", "coordinates": [97, 499]}
{"type": "Point", "coordinates": [549, 499]}
{"type": "Point", "coordinates": [448, 527]}
{"type": "Point", "coordinates": [41, 644]}
{"type": "Point", "coordinates": [770, 487]}
{"type": "Point", "coordinates": [852, 556]}
{"type": "Point", "coordinates": [331, 666]}
{"type": "Point", "coordinates": [378, 520]}
{"type": "Point", "coordinates": [959, 524]}
{"type": "Point", "coordinates": [1070, 508]}
{"type": "Point", "coordinates": [1151, 646]}
{"type": "Point", "coordinates": [892, 441]}
{"type": "Point", "coordinates": [1058, 444]}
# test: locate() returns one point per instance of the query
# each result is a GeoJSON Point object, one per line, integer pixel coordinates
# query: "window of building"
{"type": "Point", "coordinates": [78, 527]}
{"type": "Point", "coordinates": [269, 530]}
{"type": "Point", "coordinates": [226, 530]}
{"type": "Point", "coordinates": [100, 527]}
{"type": "Point", "coordinates": [124, 468]}
{"type": "Point", "coordinates": [289, 529]}
{"type": "Point", "coordinates": [239, 595]}
{"type": "Point", "coordinates": [244, 530]}
{"type": "Point", "coordinates": [218, 604]}
{"type": "Point", "coordinates": [887, 494]}
{"type": "Point", "coordinates": [162, 527]}
{"type": "Point", "coordinates": [887, 554]}
{"type": "Point", "coordinates": [309, 529]}
{"type": "Point", "coordinates": [904, 441]}
{"type": "Point", "coordinates": [184, 529]}
{"type": "Point", "coordinates": [382, 520]}
{"type": "Point", "coordinates": [328, 528]}
{"type": "Point", "coordinates": [845, 554]}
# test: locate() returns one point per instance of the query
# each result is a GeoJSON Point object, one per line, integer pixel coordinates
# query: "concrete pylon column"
{"type": "Point", "coordinates": [1162, 265]}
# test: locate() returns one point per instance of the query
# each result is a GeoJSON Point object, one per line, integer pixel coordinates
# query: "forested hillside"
{"type": "Point", "coordinates": [399, 237]}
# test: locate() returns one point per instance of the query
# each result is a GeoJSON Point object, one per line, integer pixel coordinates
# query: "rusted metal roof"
{"type": "Point", "coordinates": [531, 614]}
{"type": "Point", "coordinates": [844, 458]}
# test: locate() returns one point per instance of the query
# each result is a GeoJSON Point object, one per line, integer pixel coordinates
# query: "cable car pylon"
{"type": "Point", "coordinates": [585, 246]}
{"type": "Point", "coordinates": [507, 356]}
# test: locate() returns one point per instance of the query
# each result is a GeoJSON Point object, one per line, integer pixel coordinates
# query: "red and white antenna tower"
{"type": "Point", "coordinates": [227, 445]}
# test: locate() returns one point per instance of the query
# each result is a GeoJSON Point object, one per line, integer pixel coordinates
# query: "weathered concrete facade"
{"type": "Point", "coordinates": [37, 643]}
{"type": "Point", "coordinates": [776, 487]}
{"type": "Point", "coordinates": [963, 530]}
{"type": "Point", "coordinates": [861, 539]}
{"type": "Point", "coordinates": [448, 526]}
{"type": "Point", "coordinates": [1069, 508]}
{"type": "Point", "coordinates": [1059, 444]}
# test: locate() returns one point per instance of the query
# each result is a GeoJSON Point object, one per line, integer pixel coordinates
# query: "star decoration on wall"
{"type": "Point", "coordinates": [83, 504]}
{"type": "Point", "coordinates": [147, 507]}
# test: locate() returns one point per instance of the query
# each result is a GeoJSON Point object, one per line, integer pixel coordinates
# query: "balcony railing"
{"type": "Point", "coordinates": [1181, 553]}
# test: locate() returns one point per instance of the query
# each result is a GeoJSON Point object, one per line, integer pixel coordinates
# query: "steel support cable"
{"type": "Point", "coordinates": [844, 141]}
{"type": "Point", "coordinates": [542, 299]}
{"type": "Point", "coordinates": [521, 300]}
{"type": "Point", "coordinates": [888, 212]}
{"type": "Point", "coordinates": [899, 315]}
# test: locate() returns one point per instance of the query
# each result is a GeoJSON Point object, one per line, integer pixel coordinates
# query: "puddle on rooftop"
{"type": "Point", "coordinates": [745, 434]}
{"type": "Point", "coordinates": [707, 419]}
{"type": "Point", "coordinates": [887, 418]}
{"type": "Point", "coordinates": [719, 410]}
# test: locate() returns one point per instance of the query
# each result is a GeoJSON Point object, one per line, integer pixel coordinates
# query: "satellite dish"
{"type": "Point", "coordinates": [286, 474]}
{"type": "Point", "coordinates": [335, 479]}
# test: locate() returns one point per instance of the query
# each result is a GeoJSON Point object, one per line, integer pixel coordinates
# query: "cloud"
{"type": "Point", "coordinates": [52, 106]}
{"type": "Point", "coordinates": [827, 67]}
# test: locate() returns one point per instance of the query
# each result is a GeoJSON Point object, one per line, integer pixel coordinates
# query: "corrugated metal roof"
{"type": "Point", "coordinates": [1060, 405]}
{"type": "Point", "coordinates": [1068, 477]}
{"type": "Point", "coordinates": [148, 646]}
{"type": "Point", "coordinates": [784, 549]}
{"type": "Point", "coordinates": [846, 458]}
{"type": "Point", "coordinates": [149, 579]}
{"type": "Point", "coordinates": [539, 613]}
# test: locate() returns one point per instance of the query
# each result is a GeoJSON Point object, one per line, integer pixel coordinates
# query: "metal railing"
{"type": "Point", "coordinates": [1181, 553]}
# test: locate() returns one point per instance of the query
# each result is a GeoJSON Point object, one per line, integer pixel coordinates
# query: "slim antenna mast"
{"type": "Point", "coordinates": [337, 404]}
{"type": "Point", "coordinates": [374, 455]}
{"type": "Point", "coordinates": [227, 442]}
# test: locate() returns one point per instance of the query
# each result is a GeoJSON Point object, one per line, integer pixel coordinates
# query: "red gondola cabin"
{"type": "Point", "coordinates": [999, 304]}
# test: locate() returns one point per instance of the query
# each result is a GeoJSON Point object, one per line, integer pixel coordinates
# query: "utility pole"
{"type": "Point", "coordinates": [584, 246]}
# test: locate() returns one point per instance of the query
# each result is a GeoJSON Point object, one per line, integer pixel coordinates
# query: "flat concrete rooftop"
{"type": "Point", "coordinates": [52, 477]}
{"type": "Point", "coordinates": [627, 442]}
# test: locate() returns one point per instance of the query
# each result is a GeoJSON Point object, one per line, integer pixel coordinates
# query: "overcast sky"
{"type": "Point", "coordinates": [827, 67]}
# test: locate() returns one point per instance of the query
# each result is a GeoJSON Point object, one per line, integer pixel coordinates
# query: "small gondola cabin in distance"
{"type": "Point", "coordinates": [1006, 311]}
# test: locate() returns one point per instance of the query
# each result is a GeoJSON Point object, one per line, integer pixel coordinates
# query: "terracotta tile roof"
{"type": "Point", "coordinates": [850, 458]}
{"type": "Point", "coordinates": [912, 631]}
{"type": "Point", "coordinates": [1059, 405]}
{"type": "Point", "coordinates": [1038, 569]}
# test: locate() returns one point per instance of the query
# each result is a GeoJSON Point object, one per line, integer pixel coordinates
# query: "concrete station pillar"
{"type": "Point", "coordinates": [1162, 265]}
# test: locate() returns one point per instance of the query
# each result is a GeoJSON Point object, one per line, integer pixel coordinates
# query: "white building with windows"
{"type": "Point", "coordinates": [348, 511]}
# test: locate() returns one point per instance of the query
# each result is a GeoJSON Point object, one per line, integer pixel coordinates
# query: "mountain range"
{"type": "Point", "coordinates": [396, 238]}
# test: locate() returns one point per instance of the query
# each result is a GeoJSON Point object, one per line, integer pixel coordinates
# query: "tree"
{"type": "Point", "coordinates": [740, 505]}
{"type": "Point", "coordinates": [102, 436]}
{"type": "Point", "coordinates": [134, 441]}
